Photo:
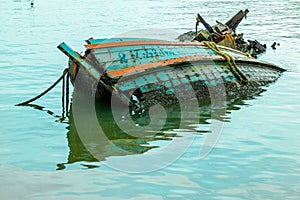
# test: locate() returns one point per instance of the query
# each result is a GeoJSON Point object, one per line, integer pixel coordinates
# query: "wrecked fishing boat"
{"type": "Point", "coordinates": [147, 71]}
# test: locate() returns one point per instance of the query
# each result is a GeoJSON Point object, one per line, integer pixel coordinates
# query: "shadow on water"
{"type": "Point", "coordinates": [90, 148]}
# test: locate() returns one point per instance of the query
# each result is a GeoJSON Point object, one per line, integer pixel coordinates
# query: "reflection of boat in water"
{"type": "Point", "coordinates": [114, 141]}
{"type": "Point", "coordinates": [90, 147]}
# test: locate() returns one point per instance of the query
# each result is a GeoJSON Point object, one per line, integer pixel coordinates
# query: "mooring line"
{"type": "Point", "coordinates": [47, 90]}
{"type": "Point", "coordinates": [63, 95]}
{"type": "Point", "coordinates": [67, 92]}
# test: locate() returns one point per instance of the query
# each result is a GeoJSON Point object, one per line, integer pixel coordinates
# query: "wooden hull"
{"type": "Point", "coordinates": [163, 72]}
{"type": "Point", "coordinates": [197, 79]}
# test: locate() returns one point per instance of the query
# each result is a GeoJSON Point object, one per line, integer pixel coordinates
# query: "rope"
{"type": "Point", "coordinates": [46, 91]}
{"type": "Point", "coordinates": [230, 61]}
{"type": "Point", "coordinates": [248, 54]}
{"type": "Point", "coordinates": [63, 94]}
{"type": "Point", "coordinates": [231, 39]}
{"type": "Point", "coordinates": [67, 92]}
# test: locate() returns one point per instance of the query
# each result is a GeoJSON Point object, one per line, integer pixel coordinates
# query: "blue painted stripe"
{"type": "Point", "coordinates": [68, 50]}
{"type": "Point", "coordinates": [75, 57]}
{"type": "Point", "coordinates": [122, 57]}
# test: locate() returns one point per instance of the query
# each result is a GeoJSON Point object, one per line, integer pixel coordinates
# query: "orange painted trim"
{"type": "Point", "coordinates": [74, 68]}
{"type": "Point", "coordinates": [141, 42]}
{"type": "Point", "coordinates": [163, 63]}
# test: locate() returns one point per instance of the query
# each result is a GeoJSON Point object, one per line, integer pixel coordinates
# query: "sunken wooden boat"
{"type": "Point", "coordinates": [155, 71]}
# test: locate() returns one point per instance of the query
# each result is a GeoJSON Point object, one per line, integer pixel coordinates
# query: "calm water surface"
{"type": "Point", "coordinates": [257, 155]}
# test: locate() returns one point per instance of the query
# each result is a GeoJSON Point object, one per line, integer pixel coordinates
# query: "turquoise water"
{"type": "Point", "coordinates": [257, 155]}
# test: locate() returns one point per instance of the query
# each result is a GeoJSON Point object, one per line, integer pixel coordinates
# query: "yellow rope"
{"type": "Point", "coordinates": [230, 60]}
{"type": "Point", "coordinates": [231, 39]}
{"type": "Point", "coordinates": [248, 54]}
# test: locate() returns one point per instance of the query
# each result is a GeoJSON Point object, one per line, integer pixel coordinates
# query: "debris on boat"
{"type": "Point", "coordinates": [225, 35]}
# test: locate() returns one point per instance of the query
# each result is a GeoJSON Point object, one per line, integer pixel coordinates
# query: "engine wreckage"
{"type": "Point", "coordinates": [225, 35]}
